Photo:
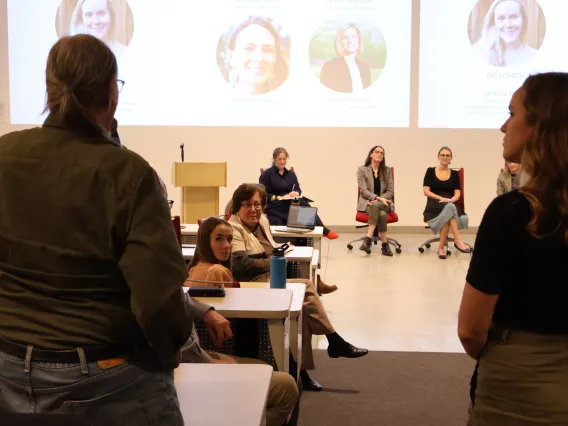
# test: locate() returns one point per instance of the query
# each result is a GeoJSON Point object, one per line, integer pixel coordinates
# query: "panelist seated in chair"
{"type": "Point", "coordinates": [251, 250]}
{"type": "Point", "coordinates": [442, 188]}
{"type": "Point", "coordinates": [507, 179]}
{"type": "Point", "coordinates": [212, 255]}
{"type": "Point", "coordinates": [376, 192]}
{"type": "Point", "coordinates": [282, 184]}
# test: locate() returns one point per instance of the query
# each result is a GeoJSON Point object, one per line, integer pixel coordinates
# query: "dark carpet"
{"type": "Point", "coordinates": [389, 389]}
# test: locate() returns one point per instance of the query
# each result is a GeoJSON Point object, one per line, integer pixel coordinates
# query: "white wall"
{"type": "Point", "coordinates": [326, 160]}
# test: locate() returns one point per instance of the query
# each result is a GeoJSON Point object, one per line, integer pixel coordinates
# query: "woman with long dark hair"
{"type": "Point", "coordinates": [376, 193]}
{"type": "Point", "coordinates": [212, 258]}
{"type": "Point", "coordinates": [513, 318]}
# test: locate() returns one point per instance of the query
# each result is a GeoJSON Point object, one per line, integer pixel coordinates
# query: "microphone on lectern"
{"type": "Point", "coordinates": [182, 153]}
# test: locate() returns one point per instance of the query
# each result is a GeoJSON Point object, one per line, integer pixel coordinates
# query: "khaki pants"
{"type": "Point", "coordinates": [522, 380]}
{"type": "Point", "coordinates": [282, 394]}
{"type": "Point", "coordinates": [314, 322]}
{"type": "Point", "coordinates": [378, 213]}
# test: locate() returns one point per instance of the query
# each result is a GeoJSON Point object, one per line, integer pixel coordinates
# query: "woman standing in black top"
{"type": "Point", "coordinates": [281, 186]}
{"type": "Point", "coordinates": [443, 189]}
{"type": "Point", "coordinates": [513, 317]}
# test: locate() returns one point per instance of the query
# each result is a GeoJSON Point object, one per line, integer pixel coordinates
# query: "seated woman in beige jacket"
{"type": "Point", "coordinates": [251, 251]}
{"type": "Point", "coordinates": [506, 181]}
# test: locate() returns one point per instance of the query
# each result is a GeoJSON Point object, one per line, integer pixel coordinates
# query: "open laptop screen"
{"type": "Point", "coordinates": [302, 217]}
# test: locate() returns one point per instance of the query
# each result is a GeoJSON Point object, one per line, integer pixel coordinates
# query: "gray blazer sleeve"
{"type": "Point", "coordinates": [365, 192]}
{"type": "Point", "coordinates": [389, 192]}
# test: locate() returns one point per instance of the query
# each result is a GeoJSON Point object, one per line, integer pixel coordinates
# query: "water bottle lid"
{"type": "Point", "coordinates": [280, 251]}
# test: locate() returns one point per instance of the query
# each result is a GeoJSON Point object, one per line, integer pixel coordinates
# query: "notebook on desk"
{"type": "Point", "coordinates": [301, 220]}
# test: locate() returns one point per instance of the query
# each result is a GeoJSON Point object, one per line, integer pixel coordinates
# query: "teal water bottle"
{"type": "Point", "coordinates": [278, 267]}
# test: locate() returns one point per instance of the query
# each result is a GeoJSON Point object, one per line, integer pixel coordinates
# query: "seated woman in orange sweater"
{"type": "Point", "coordinates": [210, 263]}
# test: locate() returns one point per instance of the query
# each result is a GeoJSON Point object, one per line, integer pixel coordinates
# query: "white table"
{"type": "Point", "coordinates": [223, 395]}
{"type": "Point", "coordinates": [299, 291]}
{"type": "Point", "coordinates": [272, 304]}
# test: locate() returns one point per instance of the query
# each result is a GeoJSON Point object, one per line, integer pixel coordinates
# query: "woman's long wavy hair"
{"type": "Point", "coordinates": [203, 250]}
{"type": "Point", "coordinates": [545, 155]}
{"type": "Point", "coordinates": [382, 166]}
{"type": "Point", "coordinates": [495, 47]}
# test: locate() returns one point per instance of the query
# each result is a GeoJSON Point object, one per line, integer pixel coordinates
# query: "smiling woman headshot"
{"type": "Point", "coordinates": [108, 20]}
{"type": "Point", "coordinates": [254, 56]}
{"type": "Point", "coordinates": [348, 57]}
{"type": "Point", "coordinates": [507, 33]}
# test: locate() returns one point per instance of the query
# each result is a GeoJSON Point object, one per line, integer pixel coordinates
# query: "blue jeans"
{"type": "Point", "coordinates": [125, 394]}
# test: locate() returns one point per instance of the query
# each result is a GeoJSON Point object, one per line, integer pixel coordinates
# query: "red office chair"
{"type": "Point", "coordinates": [363, 217]}
{"type": "Point", "coordinates": [461, 206]}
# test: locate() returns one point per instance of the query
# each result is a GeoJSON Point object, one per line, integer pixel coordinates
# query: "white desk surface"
{"type": "Point", "coordinates": [223, 395]}
{"type": "Point", "coordinates": [298, 254]}
{"type": "Point", "coordinates": [298, 289]}
{"type": "Point", "coordinates": [191, 229]}
{"type": "Point", "coordinates": [251, 303]}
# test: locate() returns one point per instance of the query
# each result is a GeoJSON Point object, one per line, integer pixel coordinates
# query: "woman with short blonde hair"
{"type": "Point", "coordinates": [347, 73]}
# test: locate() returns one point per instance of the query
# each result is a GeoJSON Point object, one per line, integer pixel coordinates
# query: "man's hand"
{"type": "Point", "coordinates": [218, 327]}
{"type": "Point", "coordinates": [383, 200]}
{"type": "Point", "coordinates": [294, 194]}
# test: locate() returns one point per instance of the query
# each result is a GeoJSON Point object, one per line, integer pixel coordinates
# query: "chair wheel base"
{"type": "Point", "coordinates": [399, 250]}
{"type": "Point", "coordinates": [349, 246]}
{"type": "Point", "coordinates": [427, 246]}
{"type": "Point", "coordinates": [421, 249]}
{"type": "Point", "coordinates": [449, 253]}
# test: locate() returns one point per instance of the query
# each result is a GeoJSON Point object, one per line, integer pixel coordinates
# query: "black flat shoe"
{"type": "Point", "coordinates": [443, 256]}
{"type": "Point", "coordinates": [466, 251]}
{"type": "Point", "coordinates": [308, 383]}
{"type": "Point", "coordinates": [346, 350]}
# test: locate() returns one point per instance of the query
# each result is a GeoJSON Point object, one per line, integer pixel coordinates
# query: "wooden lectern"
{"type": "Point", "coordinates": [200, 183]}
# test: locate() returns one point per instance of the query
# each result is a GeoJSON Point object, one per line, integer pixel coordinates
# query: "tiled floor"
{"type": "Point", "coordinates": [408, 302]}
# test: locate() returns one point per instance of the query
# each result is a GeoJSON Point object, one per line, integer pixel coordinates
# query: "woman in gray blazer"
{"type": "Point", "coordinates": [376, 193]}
{"type": "Point", "coordinates": [506, 180]}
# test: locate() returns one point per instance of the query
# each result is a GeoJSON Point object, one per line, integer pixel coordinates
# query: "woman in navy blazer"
{"type": "Point", "coordinates": [282, 184]}
{"type": "Point", "coordinates": [346, 73]}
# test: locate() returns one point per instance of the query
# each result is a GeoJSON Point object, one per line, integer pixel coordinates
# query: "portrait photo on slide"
{"type": "Point", "coordinates": [111, 21]}
{"type": "Point", "coordinates": [506, 33]}
{"type": "Point", "coordinates": [253, 55]}
{"type": "Point", "coordinates": [348, 55]}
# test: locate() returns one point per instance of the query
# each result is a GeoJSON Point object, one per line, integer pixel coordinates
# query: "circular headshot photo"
{"type": "Point", "coordinates": [254, 55]}
{"type": "Point", "coordinates": [108, 20]}
{"type": "Point", "coordinates": [506, 33]}
{"type": "Point", "coordinates": [348, 56]}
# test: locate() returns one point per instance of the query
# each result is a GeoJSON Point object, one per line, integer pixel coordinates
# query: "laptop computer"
{"type": "Point", "coordinates": [301, 220]}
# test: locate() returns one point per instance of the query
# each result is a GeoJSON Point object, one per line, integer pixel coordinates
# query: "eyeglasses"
{"type": "Point", "coordinates": [247, 206]}
{"type": "Point", "coordinates": [445, 155]}
{"type": "Point", "coordinates": [119, 85]}
{"type": "Point", "coordinates": [379, 152]}
{"type": "Point", "coordinates": [170, 203]}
